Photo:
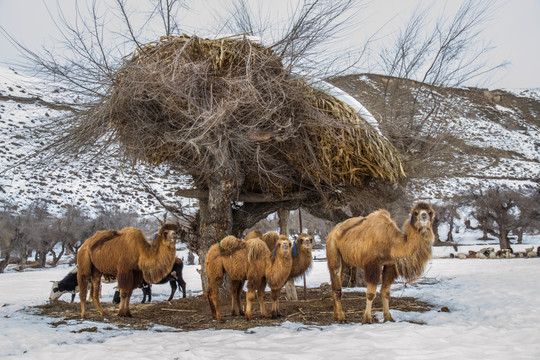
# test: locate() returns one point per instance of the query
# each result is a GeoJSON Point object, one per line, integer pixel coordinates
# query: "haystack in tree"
{"type": "Point", "coordinates": [254, 137]}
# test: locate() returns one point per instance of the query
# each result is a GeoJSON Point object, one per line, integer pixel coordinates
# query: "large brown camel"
{"type": "Point", "coordinates": [375, 244]}
{"type": "Point", "coordinates": [249, 260]}
{"type": "Point", "coordinates": [126, 255]}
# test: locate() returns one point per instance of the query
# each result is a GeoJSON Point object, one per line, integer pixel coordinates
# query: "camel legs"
{"type": "Point", "coordinates": [212, 295]}
{"type": "Point", "coordinates": [96, 291]}
{"type": "Point", "coordinates": [83, 289]}
{"type": "Point", "coordinates": [371, 293]}
{"type": "Point", "coordinates": [250, 296]}
{"type": "Point", "coordinates": [126, 283]}
{"type": "Point", "coordinates": [388, 276]}
{"type": "Point", "coordinates": [261, 297]}
{"type": "Point", "coordinates": [335, 264]}
{"type": "Point", "coordinates": [125, 295]}
{"type": "Point", "coordinates": [236, 290]}
{"type": "Point", "coordinates": [275, 302]}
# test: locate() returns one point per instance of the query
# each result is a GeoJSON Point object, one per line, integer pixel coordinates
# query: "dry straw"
{"type": "Point", "coordinates": [228, 106]}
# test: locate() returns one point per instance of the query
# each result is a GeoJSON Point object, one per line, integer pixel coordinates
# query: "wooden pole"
{"type": "Point", "coordinates": [301, 230]}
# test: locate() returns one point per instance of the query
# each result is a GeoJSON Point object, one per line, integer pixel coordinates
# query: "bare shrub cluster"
{"type": "Point", "coordinates": [34, 234]}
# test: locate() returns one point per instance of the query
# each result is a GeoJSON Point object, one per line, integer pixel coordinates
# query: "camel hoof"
{"type": "Point", "coordinates": [340, 318]}
{"type": "Point", "coordinates": [389, 318]}
{"type": "Point", "coordinates": [367, 320]}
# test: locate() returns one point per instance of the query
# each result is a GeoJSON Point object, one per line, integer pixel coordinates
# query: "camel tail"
{"type": "Point", "coordinates": [84, 263]}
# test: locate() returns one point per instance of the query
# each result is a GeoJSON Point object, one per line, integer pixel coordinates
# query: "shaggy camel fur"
{"type": "Point", "coordinates": [374, 243]}
{"type": "Point", "coordinates": [252, 261]}
{"type": "Point", "coordinates": [126, 255]}
{"type": "Point", "coordinates": [302, 257]}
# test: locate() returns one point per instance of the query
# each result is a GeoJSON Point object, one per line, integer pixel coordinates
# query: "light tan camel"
{"type": "Point", "coordinates": [302, 257]}
{"type": "Point", "coordinates": [126, 255]}
{"type": "Point", "coordinates": [375, 243]}
{"type": "Point", "coordinates": [252, 261]}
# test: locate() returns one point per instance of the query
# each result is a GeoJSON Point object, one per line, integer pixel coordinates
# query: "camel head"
{"type": "Point", "coordinates": [167, 231]}
{"type": "Point", "coordinates": [422, 216]}
{"type": "Point", "coordinates": [283, 247]}
{"type": "Point", "coordinates": [304, 242]}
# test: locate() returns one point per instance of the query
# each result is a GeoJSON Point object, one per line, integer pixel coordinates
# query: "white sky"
{"type": "Point", "coordinates": [514, 30]}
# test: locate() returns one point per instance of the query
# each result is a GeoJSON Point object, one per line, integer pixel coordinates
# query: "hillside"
{"type": "Point", "coordinates": [492, 137]}
{"type": "Point", "coordinates": [495, 139]}
{"type": "Point", "coordinates": [24, 103]}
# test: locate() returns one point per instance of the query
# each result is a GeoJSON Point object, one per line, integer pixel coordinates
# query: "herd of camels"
{"type": "Point", "coordinates": [373, 243]}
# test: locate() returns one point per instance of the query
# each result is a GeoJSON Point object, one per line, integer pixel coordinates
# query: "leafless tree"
{"type": "Point", "coordinates": [303, 38]}
{"type": "Point", "coordinates": [445, 214]}
{"type": "Point", "coordinates": [497, 212]}
{"type": "Point", "coordinates": [93, 62]}
{"type": "Point", "coordinates": [422, 58]}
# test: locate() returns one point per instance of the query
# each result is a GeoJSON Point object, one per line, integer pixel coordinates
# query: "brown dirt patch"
{"type": "Point", "coordinates": [193, 313]}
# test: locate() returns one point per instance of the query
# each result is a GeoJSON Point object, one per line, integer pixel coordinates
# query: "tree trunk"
{"type": "Point", "coordinates": [215, 218]}
{"type": "Point", "coordinates": [450, 236]}
{"type": "Point", "coordinates": [283, 221]}
{"type": "Point", "coordinates": [504, 243]}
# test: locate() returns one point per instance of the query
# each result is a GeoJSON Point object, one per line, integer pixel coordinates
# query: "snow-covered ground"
{"type": "Point", "coordinates": [493, 304]}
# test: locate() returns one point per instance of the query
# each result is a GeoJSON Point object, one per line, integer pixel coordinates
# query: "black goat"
{"type": "Point", "coordinates": [67, 285]}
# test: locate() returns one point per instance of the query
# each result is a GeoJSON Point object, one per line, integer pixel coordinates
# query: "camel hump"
{"type": "Point", "coordinates": [270, 239]}
{"type": "Point", "coordinates": [349, 225]}
{"type": "Point", "coordinates": [102, 237]}
{"type": "Point", "coordinates": [254, 234]}
{"type": "Point", "coordinates": [257, 249]}
{"type": "Point", "coordinates": [231, 244]}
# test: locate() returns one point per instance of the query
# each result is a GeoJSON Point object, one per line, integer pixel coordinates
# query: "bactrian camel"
{"type": "Point", "coordinates": [249, 260]}
{"type": "Point", "coordinates": [302, 257]}
{"type": "Point", "coordinates": [126, 255]}
{"type": "Point", "coordinates": [375, 244]}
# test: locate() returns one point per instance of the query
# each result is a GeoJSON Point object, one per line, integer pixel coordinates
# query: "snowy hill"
{"type": "Point", "coordinates": [24, 102]}
{"type": "Point", "coordinates": [493, 137]}
{"type": "Point", "coordinates": [497, 139]}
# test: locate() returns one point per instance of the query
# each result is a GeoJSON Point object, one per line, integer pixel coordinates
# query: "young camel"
{"type": "Point", "coordinates": [374, 243]}
{"type": "Point", "coordinates": [302, 257]}
{"type": "Point", "coordinates": [252, 261]}
{"type": "Point", "coordinates": [126, 255]}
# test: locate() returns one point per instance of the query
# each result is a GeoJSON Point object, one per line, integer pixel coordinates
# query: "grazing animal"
{"type": "Point", "coordinates": [375, 244]}
{"type": "Point", "coordinates": [249, 260]}
{"type": "Point", "coordinates": [67, 285]}
{"type": "Point", "coordinates": [175, 276]}
{"type": "Point", "coordinates": [127, 255]}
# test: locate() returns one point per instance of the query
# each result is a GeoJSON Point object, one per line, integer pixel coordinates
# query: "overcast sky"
{"type": "Point", "coordinates": [514, 30]}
